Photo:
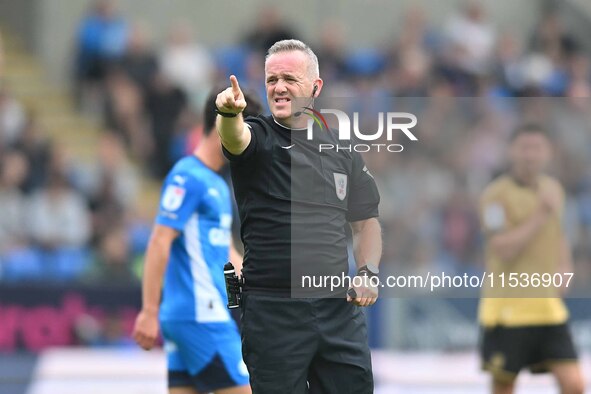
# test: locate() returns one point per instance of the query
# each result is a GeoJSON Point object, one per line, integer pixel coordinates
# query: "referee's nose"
{"type": "Point", "coordinates": [280, 87]}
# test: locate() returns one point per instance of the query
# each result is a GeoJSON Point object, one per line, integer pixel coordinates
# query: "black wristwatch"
{"type": "Point", "coordinates": [368, 270]}
{"type": "Point", "coordinates": [225, 114]}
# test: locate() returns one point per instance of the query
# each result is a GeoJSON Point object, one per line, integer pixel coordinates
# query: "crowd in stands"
{"type": "Point", "coordinates": [151, 100]}
{"type": "Point", "coordinates": [63, 220]}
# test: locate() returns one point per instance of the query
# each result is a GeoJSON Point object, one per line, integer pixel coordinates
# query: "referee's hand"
{"type": "Point", "coordinates": [145, 331]}
{"type": "Point", "coordinates": [365, 295]}
{"type": "Point", "coordinates": [232, 99]}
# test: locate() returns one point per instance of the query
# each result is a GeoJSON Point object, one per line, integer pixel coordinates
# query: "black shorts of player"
{"type": "Point", "coordinates": [302, 346]}
{"type": "Point", "coordinates": [211, 378]}
{"type": "Point", "coordinates": [507, 350]}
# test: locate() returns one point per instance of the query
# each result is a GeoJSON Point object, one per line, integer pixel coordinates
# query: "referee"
{"type": "Point", "coordinates": [294, 203]}
{"type": "Point", "coordinates": [525, 327]}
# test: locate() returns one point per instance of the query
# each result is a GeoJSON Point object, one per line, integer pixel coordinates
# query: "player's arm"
{"type": "Point", "coordinates": [367, 248]}
{"type": "Point", "coordinates": [145, 331]}
{"type": "Point", "coordinates": [234, 133]}
{"type": "Point", "coordinates": [508, 244]}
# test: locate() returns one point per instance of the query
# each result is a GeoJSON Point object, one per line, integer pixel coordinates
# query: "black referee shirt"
{"type": "Point", "coordinates": [294, 203]}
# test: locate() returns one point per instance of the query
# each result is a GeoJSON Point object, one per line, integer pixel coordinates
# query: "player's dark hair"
{"type": "Point", "coordinates": [253, 108]}
{"type": "Point", "coordinates": [530, 128]}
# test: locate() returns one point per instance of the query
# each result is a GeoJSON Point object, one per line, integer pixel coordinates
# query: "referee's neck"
{"type": "Point", "coordinates": [291, 128]}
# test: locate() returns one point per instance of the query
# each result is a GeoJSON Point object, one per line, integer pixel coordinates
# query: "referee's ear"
{"type": "Point", "coordinates": [317, 87]}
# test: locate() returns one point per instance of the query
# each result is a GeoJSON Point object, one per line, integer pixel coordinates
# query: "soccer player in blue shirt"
{"type": "Point", "coordinates": [183, 285]}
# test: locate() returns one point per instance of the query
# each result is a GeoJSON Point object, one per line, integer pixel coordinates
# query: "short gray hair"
{"type": "Point", "coordinates": [296, 45]}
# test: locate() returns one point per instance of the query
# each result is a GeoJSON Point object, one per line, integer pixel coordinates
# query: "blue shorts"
{"type": "Point", "coordinates": [207, 357]}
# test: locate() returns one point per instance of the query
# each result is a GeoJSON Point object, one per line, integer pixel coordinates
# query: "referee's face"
{"type": "Point", "coordinates": [287, 77]}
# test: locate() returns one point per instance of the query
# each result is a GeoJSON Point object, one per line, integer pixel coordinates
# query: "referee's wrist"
{"type": "Point", "coordinates": [226, 114]}
{"type": "Point", "coordinates": [369, 270]}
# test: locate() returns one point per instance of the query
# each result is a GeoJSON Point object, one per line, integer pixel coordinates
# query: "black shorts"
{"type": "Point", "coordinates": [506, 350]}
{"type": "Point", "coordinates": [301, 346]}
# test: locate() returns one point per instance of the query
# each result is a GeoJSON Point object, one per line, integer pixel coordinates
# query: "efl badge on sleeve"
{"type": "Point", "coordinates": [173, 197]}
{"type": "Point", "coordinates": [340, 181]}
{"type": "Point", "coordinates": [494, 217]}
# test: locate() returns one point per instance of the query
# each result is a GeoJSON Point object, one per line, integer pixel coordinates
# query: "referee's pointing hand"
{"type": "Point", "coordinates": [232, 99]}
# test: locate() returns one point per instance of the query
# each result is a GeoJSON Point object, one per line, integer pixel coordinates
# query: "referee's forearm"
{"type": "Point", "coordinates": [233, 133]}
{"type": "Point", "coordinates": [367, 242]}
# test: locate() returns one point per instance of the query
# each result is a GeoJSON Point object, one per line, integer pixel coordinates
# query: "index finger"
{"type": "Point", "coordinates": [235, 86]}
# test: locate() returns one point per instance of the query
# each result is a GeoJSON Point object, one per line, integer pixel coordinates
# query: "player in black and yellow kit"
{"type": "Point", "coordinates": [526, 327]}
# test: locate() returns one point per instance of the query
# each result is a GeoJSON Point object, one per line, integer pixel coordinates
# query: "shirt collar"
{"type": "Point", "coordinates": [287, 128]}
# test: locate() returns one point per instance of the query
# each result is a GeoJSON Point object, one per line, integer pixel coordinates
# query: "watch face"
{"type": "Point", "coordinates": [369, 269]}
{"type": "Point", "coordinates": [373, 269]}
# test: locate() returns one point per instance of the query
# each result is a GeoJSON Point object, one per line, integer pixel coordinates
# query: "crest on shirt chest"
{"type": "Point", "coordinates": [340, 181]}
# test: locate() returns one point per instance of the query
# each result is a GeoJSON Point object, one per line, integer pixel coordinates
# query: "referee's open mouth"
{"type": "Point", "coordinates": [282, 100]}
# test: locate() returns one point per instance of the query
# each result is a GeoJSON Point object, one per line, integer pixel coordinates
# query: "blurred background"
{"type": "Point", "coordinates": [99, 98]}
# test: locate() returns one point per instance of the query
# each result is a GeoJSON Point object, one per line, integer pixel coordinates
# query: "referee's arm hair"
{"type": "Point", "coordinates": [145, 331]}
{"type": "Point", "coordinates": [234, 133]}
{"type": "Point", "coordinates": [367, 248]}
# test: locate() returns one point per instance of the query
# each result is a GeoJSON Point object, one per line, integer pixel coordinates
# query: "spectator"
{"type": "Point", "coordinates": [255, 75]}
{"type": "Point", "coordinates": [164, 106]}
{"type": "Point", "coordinates": [59, 226]}
{"type": "Point", "coordinates": [111, 186]}
{"type": "Point", "coordinates": [580, 77]}
{"type": "Point", "coordinates": [113, 259]}
{"type": "Point", "coordinates": [101, 41]}
{"type": "Point", "coordinates": [416, 31]}
{"type": "Point", "coordinates": [506, 69]}
{"type": "Point", "coordinates": [413, 72]}
{"type": "Point", "coordinates": [270, 28]}
{"type": "Point", "coordinates": [106, 210]}
{"type": "Point", "coordinates": [186, 135]}
{"type": "Point", "coordinates": [12, 117]}
{"type": "Point", "coordinates": [187, 65]}
{"type": "Point", "coordinates": [551, 38]}
{"type": "Point", "coordinates": [471, 39]}
{"type": "Point", "coordinates": [459, 229]}
{"type": "Point", "coordinates": [13, 170]}
{"type": "Point", "coordinates": [124, 114]}
{"type": "Point", "coordinates": [331, 51]}
{"type": "Point", "coordinates": [139, 62]}
{"type": "Point", "coordinates": [17, 261]}
{"type": "Point", "coordinates": [37, 149]}
{"type": "Point", "coordinates": [112, 161]}
{"type": "Point", "coordinates": [1, 57]}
